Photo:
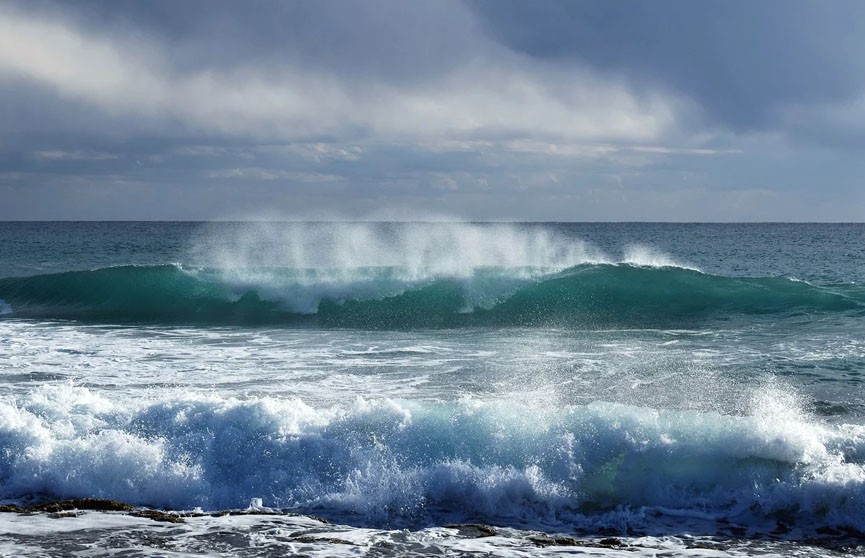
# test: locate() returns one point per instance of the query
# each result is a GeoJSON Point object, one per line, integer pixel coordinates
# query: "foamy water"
{"type": "Point", "coordinates": [447, 388]}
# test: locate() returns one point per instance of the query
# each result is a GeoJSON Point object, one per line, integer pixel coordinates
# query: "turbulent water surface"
{"type": "Point", "coordinates": [434, 388]}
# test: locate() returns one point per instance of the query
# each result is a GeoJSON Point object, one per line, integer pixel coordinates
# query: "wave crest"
{"type": "Point", "coordinates": [404, 462]}
{"type": "Point", "coordinates": [584, 296]}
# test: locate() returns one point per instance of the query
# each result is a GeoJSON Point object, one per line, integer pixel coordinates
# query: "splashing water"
{"type": "Point", "coordinates": [646, 256]}
{"type": "Point", "coordinates": [419, 249]}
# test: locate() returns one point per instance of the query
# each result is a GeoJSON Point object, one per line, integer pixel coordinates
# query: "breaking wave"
{"type": "Point", "coordinates": [585, 296]}
{"type": "Point", "coordinates": [389, 462]}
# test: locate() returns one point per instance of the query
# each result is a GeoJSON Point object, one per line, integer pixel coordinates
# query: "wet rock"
{"type": "Point", "coordinates": [555, 541]}
{"type": "Point", "coordinates": [96, 504]}
{"type": "Point", "coordinates": [64, 514]}
{"type": "Point", "coordinates": [473, 530]}
{"type": "Point", "coordinates": [157, 515]}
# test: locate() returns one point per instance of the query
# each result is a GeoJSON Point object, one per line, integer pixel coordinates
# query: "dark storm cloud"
{"type": "Point", "coordinates": [292, 70]}
{"type": "Point", "coordinates": [744, 66]}
{"type": "Point", "coordinates": [740, 61]}
{"type": "Point", "coordinates": [488, 109]}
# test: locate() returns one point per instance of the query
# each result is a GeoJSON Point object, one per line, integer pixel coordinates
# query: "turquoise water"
{"type": "Point", "coordinates": [634, 379]}
{"type": "Point", "coordinates": [821, 253]}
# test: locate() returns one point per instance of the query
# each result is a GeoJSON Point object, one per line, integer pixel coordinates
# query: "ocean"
{"type": "Point", "coordinates": [442, 388]}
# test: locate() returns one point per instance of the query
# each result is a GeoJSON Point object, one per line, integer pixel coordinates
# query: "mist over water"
{"type": "Point", "coordinates": [355, 261]}
{"type": "Point", "coordinates": [418, 249]}
{"type": "Point", "coordinates": [372, 260]}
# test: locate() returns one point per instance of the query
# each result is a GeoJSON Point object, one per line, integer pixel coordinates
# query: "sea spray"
{"type": "Point", "coordinates": [416, 275]}
{"type": "Point", "coordinates": [420, 250]}
{"type": "Point", "coordinates": [626, 402]}
{"type": "Point", "coordinates": [647, 256]}
{"type": "Point", "coordinates": [403, 462]}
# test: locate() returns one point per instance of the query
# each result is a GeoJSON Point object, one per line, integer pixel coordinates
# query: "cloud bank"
{"type": "Point", "coordinates": [486, 110]}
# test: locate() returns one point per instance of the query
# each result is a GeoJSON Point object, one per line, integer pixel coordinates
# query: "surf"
{"type": "Point", "coordinates": [411, 463]}
{"type": "Point", "coordinates": [584, 296]}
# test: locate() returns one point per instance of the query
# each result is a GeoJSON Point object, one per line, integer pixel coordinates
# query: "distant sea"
{"type": "Point", "coordinates": [413, 389]}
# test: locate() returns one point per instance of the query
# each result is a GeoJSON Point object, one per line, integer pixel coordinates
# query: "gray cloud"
{"type": "Point", "coordinates": [483, 90]}
{"type": "Point", "coordinates": [740, 61]}
{"type": "Point", "coordinates": [486, 109]}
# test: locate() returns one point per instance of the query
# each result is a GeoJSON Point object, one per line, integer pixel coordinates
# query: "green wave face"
{"type": "Point", "coordinates": [587, 296]}
{"type": "Point", "coordinates": [595, 296]}
{"type": "Point", "coordinates": [162, 293]}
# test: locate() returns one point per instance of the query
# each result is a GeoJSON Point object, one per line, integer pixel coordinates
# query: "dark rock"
{"type": "Point", "coordinates": [157, 515]}
{"type": "Point", "coordinates": [555, 541]}
{"type": "Point", "coordinates": [473, 530]}
{"type": "Point", "coordinates": [64, 514]}
{"type": "Point", "coordinates": [253, 511]}
{"type": "Point", "coordinates": [96, 504]}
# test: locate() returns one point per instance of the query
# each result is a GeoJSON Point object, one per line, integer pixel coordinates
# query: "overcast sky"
{"type": "Point", "coordinates": [574, 110]}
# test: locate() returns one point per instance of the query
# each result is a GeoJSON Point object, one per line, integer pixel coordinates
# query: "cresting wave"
{"type": "Point", "coordinates": [405, 463]}
{"type": "Point", "coordinates": [585, 296]}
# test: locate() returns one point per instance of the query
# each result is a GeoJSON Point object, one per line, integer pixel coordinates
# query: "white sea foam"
{"type": "Point", "coordinates": [273, 414]}
{"type": "Point", "coordinates": [39, 535]}
{"type": "Point", "coordinates": [647, 256]}
{"type": "Point", "coordinates": [396, 462]}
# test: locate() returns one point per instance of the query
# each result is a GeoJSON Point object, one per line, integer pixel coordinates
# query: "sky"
{"type": "Point", "coordinates": [487, 110]}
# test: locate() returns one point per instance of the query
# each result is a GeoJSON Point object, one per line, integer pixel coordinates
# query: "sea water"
{"type": "Point", "coordinates": [392, 389]}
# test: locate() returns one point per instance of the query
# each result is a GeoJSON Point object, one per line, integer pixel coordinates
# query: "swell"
{"type": "Point", "coordinates": [405, 463]}
{"type": "Point", "coordinates": [596, 295]}
{"type": "Point", "coordinates": [163, 293]}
